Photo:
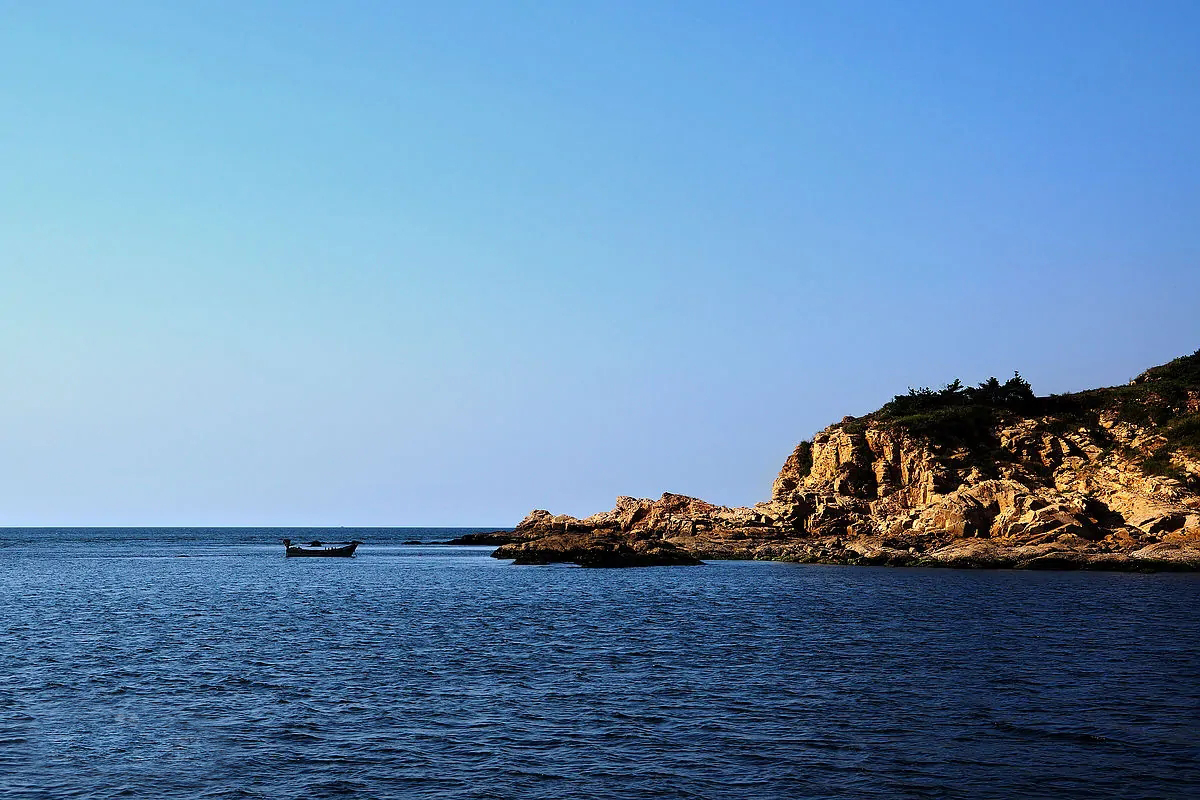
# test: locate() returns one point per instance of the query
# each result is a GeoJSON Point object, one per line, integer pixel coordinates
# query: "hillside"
{"type": "Point", "coordinates": [985, 476]}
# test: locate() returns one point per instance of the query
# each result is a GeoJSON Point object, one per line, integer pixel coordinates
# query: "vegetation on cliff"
{"type": "Point", "coordinates": [1165, 399]}
{"type": "Point", "coordinates": [957, 415]}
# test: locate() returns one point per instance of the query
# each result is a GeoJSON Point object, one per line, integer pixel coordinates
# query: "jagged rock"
{"type": "Point", "coordinates": [1061, 482]}
{"type": "Point", "coordinates": [1180, 555]}
{"type": "Point", "coordinates": [970, 553]}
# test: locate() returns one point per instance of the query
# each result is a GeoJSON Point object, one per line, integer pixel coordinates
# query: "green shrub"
{"type": "Point", "coordinates": [962, 426]}
{"type": "Point", "coordinates": [1159, 463]}
{"type": "Point", "coordinates": [804, 457]}
{"type": "Point", "coordinates": [1015, 393]}
{"type": "Point", "coordinates": [1184, 432]}
{"type": "Point", "coordinates": [1183, 370]}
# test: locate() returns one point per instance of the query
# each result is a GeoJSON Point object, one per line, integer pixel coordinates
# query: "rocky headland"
{"type": "Point", "coordinates": [985, 476]}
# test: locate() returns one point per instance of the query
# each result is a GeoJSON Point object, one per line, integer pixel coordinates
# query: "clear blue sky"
{"type": "Point", "coordinates": [383, 263]}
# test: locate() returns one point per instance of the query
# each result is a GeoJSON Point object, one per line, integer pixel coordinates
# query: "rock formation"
{"type": "Point", "coordinates": [990, 476]}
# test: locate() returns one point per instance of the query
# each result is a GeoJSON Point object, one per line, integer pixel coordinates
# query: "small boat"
{"type": "Point", "coordinates": [320, 549]}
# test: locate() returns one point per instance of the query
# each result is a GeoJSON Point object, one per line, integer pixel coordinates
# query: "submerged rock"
{"type": "Point", "coordinates": [591, 550]}
{"type": "Point", "coordinates": [488, 538]}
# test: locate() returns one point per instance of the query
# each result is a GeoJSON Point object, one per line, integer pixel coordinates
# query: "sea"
{"type": "Point", "coordinates": [200, 663]}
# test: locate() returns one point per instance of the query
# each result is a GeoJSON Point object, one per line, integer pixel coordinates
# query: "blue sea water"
{"type": "Point", "coordinates": [188, 663]}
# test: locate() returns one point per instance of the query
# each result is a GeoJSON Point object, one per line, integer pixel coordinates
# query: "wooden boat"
{"type": "Point", "coordinates": [320, 549]}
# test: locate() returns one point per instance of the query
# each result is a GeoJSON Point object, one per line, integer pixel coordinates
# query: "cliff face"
{"type": "Point", "coordinates": [1105, 479]}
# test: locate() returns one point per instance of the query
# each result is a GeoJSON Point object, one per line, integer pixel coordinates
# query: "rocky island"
{"type": "Point", "coordinates": [984, 476]}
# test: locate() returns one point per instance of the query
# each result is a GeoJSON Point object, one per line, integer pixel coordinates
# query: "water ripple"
{"type": "Point", "coordinates": [423, 671]}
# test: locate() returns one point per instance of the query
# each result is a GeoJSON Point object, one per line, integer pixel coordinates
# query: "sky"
{"type": "Point", "coordinates": [388, 263]}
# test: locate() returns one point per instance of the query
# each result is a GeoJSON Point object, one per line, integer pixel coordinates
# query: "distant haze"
{"type": "Point", "coordinates": [374, 263]}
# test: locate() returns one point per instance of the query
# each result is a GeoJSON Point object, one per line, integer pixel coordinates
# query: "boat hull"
{"type": "Point", "coordinates": [339, 551]}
